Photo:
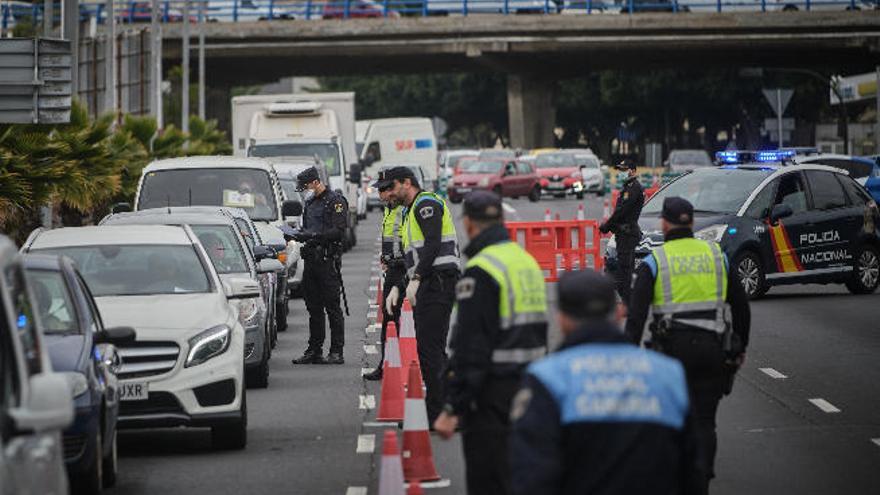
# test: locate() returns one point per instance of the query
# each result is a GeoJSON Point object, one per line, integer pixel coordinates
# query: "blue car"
{"type": "Point", "coordinates": [82, 349]}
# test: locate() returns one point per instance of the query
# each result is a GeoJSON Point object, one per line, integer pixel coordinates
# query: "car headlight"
{"type": "Point", "coordinates": [484, 182]}
{"type": "Point", "coordinates": [78, 382]}
{"type": "Point", "coordinates": [247, 311]}
{"type": "Point", "coordinates": [712, 232]}
{"type": "Point", "coordinates": [208, 344]}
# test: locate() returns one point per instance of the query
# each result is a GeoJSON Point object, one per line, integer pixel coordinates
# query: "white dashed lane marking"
{"type": "Point", "coordinates": [824, 405]}
{"type": "Point", "coordinates": [366, 444]}
{"type": "Point", "coordinates": [366, 371]}
{"type": "Point", "coordinates": [371, 349]}
{"type": "Point", "coordinates": [367, 402]}
{"type": "Point", "coordinates": [773, 373]}
{"type": "Point", "coordinates": [356, 490]}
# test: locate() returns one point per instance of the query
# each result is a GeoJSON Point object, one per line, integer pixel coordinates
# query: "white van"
{"type": "Point", "coordinates": [407, 140]}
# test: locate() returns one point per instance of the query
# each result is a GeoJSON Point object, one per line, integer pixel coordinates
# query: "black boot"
{"type": "Point", "coordinates": [375, 375]}
{"type": "Point", "coordinates": [311, 356]}
{"type": "Point", "coordinates": [335, 358]}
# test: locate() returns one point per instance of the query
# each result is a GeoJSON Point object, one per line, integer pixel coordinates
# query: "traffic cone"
{"type": "Point", "coordinates": [547, 215]}
{"type": "Point", "coordinates": [380, 314]}
{"type": "Point", "coordinates": [606, 210]}
{"type": "Point", "coordinates": [391, 471]}
{"type": "Point", "coordinates": [418, 458]}
{"type": "Point", "coordinates": [415, 488]}
{"type": "Point", "coordinates": [391, 402]}
{"type": "Point", "coordinates": [408, 346]}
{"type": "Point", "coordinates": [580, 212]}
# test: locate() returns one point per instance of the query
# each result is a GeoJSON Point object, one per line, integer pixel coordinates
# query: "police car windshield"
{"type": "Point", "coordinates": [327, 153]}
{"type": "Point", "coordinates": [248, 189]}
{"type": "Point", "coordinates": [720, 190]}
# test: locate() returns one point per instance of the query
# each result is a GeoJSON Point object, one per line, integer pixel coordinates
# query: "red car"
{"type": "Point", "coordinates": [560, 174]}
{"type": "Point", "coordinates": [507, 179]}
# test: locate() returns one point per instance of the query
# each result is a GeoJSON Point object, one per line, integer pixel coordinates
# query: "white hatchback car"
{"type": "Point", "coordinates": [186, 367]}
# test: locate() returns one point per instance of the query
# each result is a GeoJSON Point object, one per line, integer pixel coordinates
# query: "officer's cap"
{"type": "Point", "coordinates": [678, 210]}
{"type": "Point", "coordinates": [306, 177]}
{"type": "Point", "coordinates": [483, 205]}
{"type": "Point", "coordinates": [626, 164]}
{"type": "Point", "coordinates": [388, 176]}
{"type": "Point", "coordinates": [586, 294]}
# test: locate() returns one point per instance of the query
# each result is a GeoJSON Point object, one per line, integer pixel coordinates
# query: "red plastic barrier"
{"type": "Point", "coordinates": [560, 245]}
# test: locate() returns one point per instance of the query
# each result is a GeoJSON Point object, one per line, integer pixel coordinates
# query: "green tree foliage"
{"type": "Point", "coordinates": [82, 167]}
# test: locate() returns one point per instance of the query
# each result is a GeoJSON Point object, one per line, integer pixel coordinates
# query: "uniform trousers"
{"type": "Point", "coordinates": [321, 290]}
{"type": "Point", "coordinates": [432, 312]}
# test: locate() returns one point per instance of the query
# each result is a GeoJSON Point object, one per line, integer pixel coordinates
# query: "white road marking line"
{"type": "Point", "coordinates": [824, 405]}
{"type": "Point", "coordinates": [371, 314]}
{"type": "Point", "coordinates": [372, 328]}
{"type": "Point", "coordinates": [366, 371]}
{"type": "Point", "coordinates": [380, 424]}
{"type": "Point", "coordinates": [366, 444]}
{"type": "Point", "coordinates": [773, 373]}
{"type": "Point", "coordinates": [371, 349]}
{"type": "Point", "coordinates": [876, 441]}
{"type": "Point", "coordinates": [434, 484]}
{"type": "Point", "coordinates": [374, 278]}
{"type": "Point", "coordinates": [367, 402]}
{"type": "Point", "coordinates": [356, 490]}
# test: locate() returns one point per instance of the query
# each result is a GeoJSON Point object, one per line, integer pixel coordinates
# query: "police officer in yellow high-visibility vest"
{"type": "Point", "coordinates": [431, 254]}
{"type": "Point", "coordinates": [700, 315]}
{"type": "Point", "coordinates": [500, 327]}
{"type": "Point", "coordinates": [393, 264]}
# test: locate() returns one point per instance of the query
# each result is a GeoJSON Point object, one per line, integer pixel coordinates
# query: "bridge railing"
{"type": "Point", "coordinates": [272, 10]}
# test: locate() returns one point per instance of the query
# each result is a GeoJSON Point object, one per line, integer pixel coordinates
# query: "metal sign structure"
{"type": "Point", "coordinates": [35, 81]}
{"type": "Point", "coordinates": [778, 99]}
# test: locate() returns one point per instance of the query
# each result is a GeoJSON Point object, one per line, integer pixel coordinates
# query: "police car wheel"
{"type": "Point", "coordinates": [751, 274]}
{"type": "Point", "coordinates": [866, 272]}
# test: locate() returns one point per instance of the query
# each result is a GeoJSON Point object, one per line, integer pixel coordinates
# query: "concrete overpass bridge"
{"type": "Point", "coordinates": [534, 51]}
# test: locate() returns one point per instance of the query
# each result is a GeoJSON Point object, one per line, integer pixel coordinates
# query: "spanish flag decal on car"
{"type": "Point", "coordinates": [786, 256]}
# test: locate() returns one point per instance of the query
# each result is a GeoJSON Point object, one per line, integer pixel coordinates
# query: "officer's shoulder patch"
{"type": "Point", "coordinates": [464, 289]}
{"type": "Point", "coordinates": [338, 207]}
{"type": "Point", "coordinates": [520, 403]}
{"type": "Point", "coordinates": [426, 211]}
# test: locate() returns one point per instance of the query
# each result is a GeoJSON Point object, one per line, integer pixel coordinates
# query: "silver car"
{"type": "Point", "coordinates": [36, 403]}
{"type": "Point", "coordinates": [229, 252]}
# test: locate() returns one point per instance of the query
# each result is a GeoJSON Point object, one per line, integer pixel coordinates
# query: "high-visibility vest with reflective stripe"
{"type": "Point", "coordinates": [391, 241]}
{"type": "Point", "coordinates": [414, 239]}
{"type": "Point", "coordinates": [522, 303]}
{"type": "Point", "coordinates": [691, 276]}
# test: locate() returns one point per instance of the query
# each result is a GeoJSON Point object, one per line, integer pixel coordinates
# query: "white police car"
{"type": "Point", "coordinates": [777, 223]}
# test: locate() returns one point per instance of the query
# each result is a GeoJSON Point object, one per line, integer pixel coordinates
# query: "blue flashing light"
{"type": "Point", "coordinates": [731, 231]}
{"type": "Point", "coordinates": [774, 155]}
{"type": "Point", "coordinates": [22, 321]}
{"type": "Point", "coordinates": [727, 156]}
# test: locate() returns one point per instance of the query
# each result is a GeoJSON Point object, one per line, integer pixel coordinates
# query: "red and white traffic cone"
{"type": "Point", "coordinates": [581, 215]}
{"type": "Point", "coordinates": [547, 217]}
{"type": "Point", "coordinates": [418, 458]}
{"type": "Point", "coordinates": [391, 471]}
{"type": "Point", "coordinates": [415, 489]}
{"type": "Point", "coordinates": [391, 402]}
{"type": "Point", "coordinates": [606, 210]}
{"type": "Point", "coordinates": [408, 345]}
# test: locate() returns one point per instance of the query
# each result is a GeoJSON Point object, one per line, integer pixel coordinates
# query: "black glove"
{"type": "Point", "coordinates": [306, 236]}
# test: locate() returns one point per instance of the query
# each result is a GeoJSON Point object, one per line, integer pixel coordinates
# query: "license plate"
{"type": "Point", "coordinates": [463, 189]}
{"type": "Point", "coordinates": [133, 391]}
{"type": "Point", "coordinates": [556, 186]}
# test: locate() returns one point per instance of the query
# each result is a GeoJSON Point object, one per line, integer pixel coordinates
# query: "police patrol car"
{"type": "Point", "coordinates": [778, 223]}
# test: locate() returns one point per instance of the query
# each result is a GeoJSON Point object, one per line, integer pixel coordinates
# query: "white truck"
{"type": "Point", "coordinates": [310, 124]}
{"type": "Point", "coordinates": [399, 141]}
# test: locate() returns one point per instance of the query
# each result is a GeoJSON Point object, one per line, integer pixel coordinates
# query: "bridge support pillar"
{"type": "Point", "coordinates": [531, 111]}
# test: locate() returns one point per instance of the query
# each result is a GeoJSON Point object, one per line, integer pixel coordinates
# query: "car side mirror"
{"type": "Point", "coordinates": [262, 252]}
{"type": "Point", "coordinates": [49, 404]}
{"type": "Point", "coordinates": [269, 265]}
{"type": "Point", "coordinates": [779, 212]}
{"type": "Point", "coordinates": [121, 208]}
{"type": "Point", "coordinates": [354, 173]}
{"type": "Point", "coordinates": [291, 208]}
{"type": "Point", "coordinates": [241, 288]}
{"type": "Point", "coordinates": [116, 336]}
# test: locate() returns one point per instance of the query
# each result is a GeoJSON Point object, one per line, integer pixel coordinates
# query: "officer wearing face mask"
{"type": "Point", "coordinates": [624, 224]}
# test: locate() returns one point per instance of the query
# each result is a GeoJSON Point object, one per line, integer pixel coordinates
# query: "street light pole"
{"type": "Point", "coordinates": [184, 101]}
{"type": "Point", "coordinates": [156, 65]}
{"type": "Point", "coordinates": [202, 14]}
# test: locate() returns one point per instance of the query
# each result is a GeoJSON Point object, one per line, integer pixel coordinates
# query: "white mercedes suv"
{"type": "Point", "coordinates": [186, 367]}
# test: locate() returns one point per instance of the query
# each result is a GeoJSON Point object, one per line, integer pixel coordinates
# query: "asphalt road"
{"type": "Point", "coordinates": [809, 343]}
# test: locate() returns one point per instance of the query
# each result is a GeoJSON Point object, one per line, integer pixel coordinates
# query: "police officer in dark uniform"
{"type": "Point", "coordinates": [501, 327]}
{"type": "Point", "coordinates": [700, 315]}
{"type": "Point", "coordinates": [324, 224]}
{"type": "Point", "coordinates": [393, 264]}
{"type": "Point", "coordinates": [601, 415]}
{"type": "Point", "coordinates": [624, 223]}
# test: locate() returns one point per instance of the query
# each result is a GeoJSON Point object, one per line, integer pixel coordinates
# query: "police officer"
{"type": "Point", "coordinates": [501, 327]}
{"type": "Point", "coordinates": [393, 265]}
{"type": "Point", "coordinates": [432, 265]}
{"type": "Point", "coordinates": [624, 223]}
{"type": "Point", "coordinates": [686, 285]}
{"type": "Point", "coordinates": [324, 224]}
{"type": "Point", "coordinates": [600, 415]}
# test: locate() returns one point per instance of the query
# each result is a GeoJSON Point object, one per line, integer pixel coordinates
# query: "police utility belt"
{"type": "Point", "coordinates": [314, 251]}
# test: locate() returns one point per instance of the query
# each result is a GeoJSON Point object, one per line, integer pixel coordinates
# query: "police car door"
{"type": "Point", "coordinates": [826, 244]}
{"type": "Point", "coordinates": [785, 235]}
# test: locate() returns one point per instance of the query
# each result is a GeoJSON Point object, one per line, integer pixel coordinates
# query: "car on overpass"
{"type": "Point", "coordinates": [452, 7]}
{"type": "Point", "coordinates": [777, 223]}
{"type": "Point", "coordinates": [510, 179]}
